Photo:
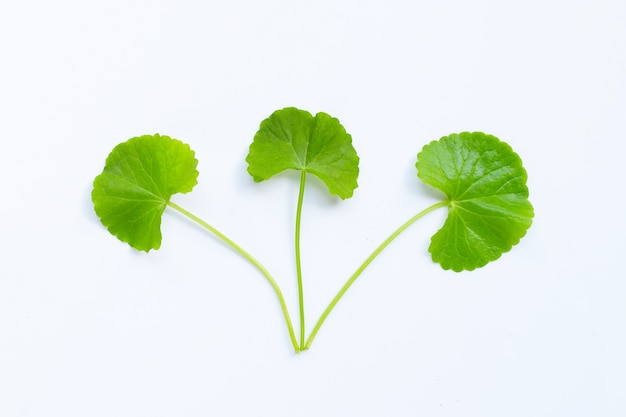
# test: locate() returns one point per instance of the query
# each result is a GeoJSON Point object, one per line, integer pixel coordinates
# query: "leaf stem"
{"type": "Point", "coordinates": [364, 265]}
{"type": "Point", "coordinates": [250, 259]}
{"type": "Point", "coordinates": [298, 257]}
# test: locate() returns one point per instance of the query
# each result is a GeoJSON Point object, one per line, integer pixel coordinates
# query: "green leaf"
{"type": "Point", "coordinates": [485, 183]}
{"type": "Point", "coordinates": [293, 139]}
{"type": "Point", "coordinates": [139, 177]}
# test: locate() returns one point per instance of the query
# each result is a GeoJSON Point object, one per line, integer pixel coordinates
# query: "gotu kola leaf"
{"type": "Point", "coordinates": [485, 183]}
{"type": "Point", "coordinates": [138, 180]}
{"type": "Point", "coordinates": [294, 139]}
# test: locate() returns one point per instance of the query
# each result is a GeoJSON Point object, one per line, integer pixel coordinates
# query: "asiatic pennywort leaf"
{"type": "Point", "coordinates": [138, 180]}
{"type": "Point", "coordinates": [485, 183]}
{"type": "Point", "coordinates": [294, 139]}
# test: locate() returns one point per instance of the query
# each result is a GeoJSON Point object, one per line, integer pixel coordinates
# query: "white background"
{"type": "Point", "coordinates": [89, 327]}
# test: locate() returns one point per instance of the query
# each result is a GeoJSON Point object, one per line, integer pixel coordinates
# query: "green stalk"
{"type": "Point", "coordinates": [298, 258]}
{"type": "Point", "coordinates": [364, 265]}
{"type": "Point", "coordinates": [250, 259]}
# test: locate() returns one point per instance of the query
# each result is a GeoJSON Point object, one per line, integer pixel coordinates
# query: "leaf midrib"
{"type": "Point", "coordinates": [135, 185]}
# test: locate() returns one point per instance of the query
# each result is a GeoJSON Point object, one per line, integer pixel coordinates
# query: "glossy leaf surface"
{"type": "Point", "coordinates": [138, 180]}
{"type": "Point", "coordinates": [485, 183]}
{"type": "Point", "coordinates": [294, 139]}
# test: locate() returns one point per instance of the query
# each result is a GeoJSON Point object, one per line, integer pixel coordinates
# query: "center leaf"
{"type": "Point", "coordinates": [294, 139]}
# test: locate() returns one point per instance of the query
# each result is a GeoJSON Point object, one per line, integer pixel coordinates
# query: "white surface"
{"type": "Point", "coordinates": [89, 327]}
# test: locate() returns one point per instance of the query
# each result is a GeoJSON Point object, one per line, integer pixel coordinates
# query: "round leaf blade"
{"type": "Point", "coordinates": [137, 182]}
{"type": "Point", "coordinates": [485, 183]}
{"type": "Point", "coordinates": [294, 139]}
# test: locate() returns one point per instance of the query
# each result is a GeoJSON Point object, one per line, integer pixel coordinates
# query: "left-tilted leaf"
{"type": "Point", "coordinates": [139, 178]}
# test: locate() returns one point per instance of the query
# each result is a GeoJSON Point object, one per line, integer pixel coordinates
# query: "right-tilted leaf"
{"type": "Point", "coordinates": [485, 183]}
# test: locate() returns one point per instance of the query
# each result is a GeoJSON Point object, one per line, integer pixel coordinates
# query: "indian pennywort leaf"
{"type": "Point", "coordinates": [139, 177]}
{"type": "Point", "coordinates": [294, 139]}
{"type": "Point", "coordinates": [485, 184]}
